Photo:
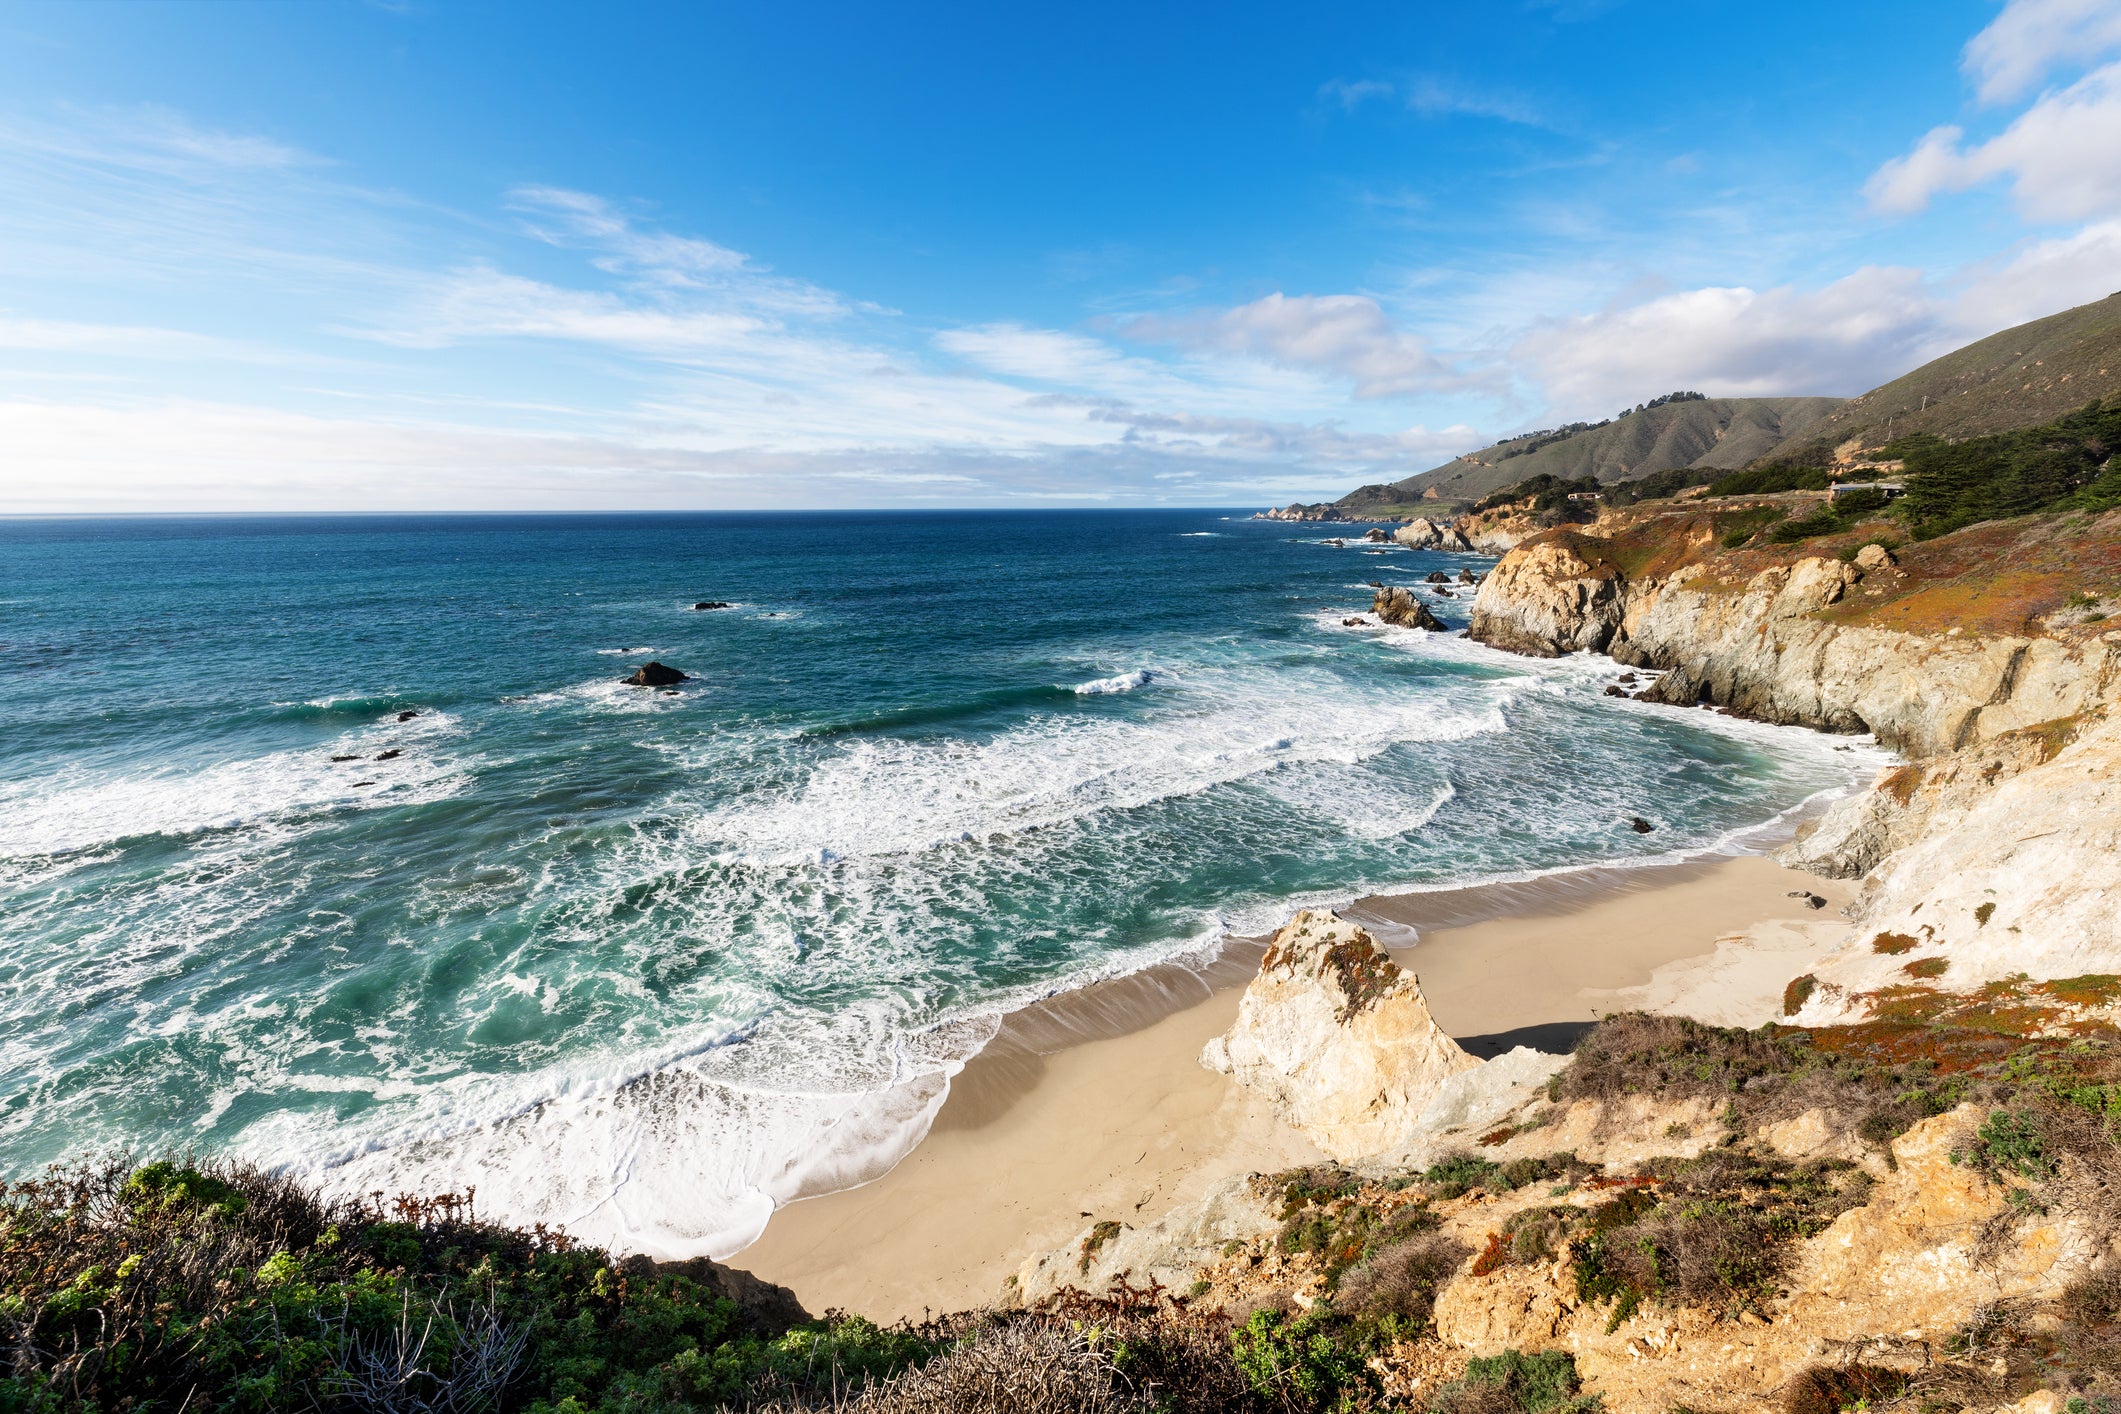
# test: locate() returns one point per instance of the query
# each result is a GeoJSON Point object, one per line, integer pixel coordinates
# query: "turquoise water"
{"type": "Point", "coordinates": [648, 962]}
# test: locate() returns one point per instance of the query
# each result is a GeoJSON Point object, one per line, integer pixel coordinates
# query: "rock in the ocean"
{"type": "Point", "coordinates": [1639, 825]}
{"type": "Point", "coordinates": [1418, 534]}
{"type": "Point", "coordinates": [1468, 577]}
{"type": "Point", "coordinates": [1378, 535]}
{"type": "Point", "coordinates": [1612, 691]}
{"type": "Point", "coordinates": [1398, 606]}
{"type": "Point", "coordinates": [1338, 1036]}
{"type": "Point", "coordinates": [1436, 577]}
{"type": "Point", "coordinates": [346, 758]}
{"type": "Point", "coordinates": [714, 604]}
{"type": "Point", "coordinates": [407, 716]}
{"type": "Point", "coordinates": [1357, 622]}
{"type": "Point", "coordinates": [656, 675]}
{"type": "Point", "coordinates": [390, 755]}
{"type": "Point", "coordinates": [1375, 583]}
{"type": "Point", "coordinates": [1443, 593]}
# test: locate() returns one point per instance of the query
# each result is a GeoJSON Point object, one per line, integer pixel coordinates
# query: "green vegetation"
{"type": "Point", "coordinates": [2062, 465]}
{"type": "Point", "coordinates": [1549, 495]}
{"type": "Point", "coordinates": [1512, 1382]}
{"type": "Point", "coordinates": [205, 1286]}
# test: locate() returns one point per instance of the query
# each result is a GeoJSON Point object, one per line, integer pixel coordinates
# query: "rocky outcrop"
{"type": "Point", "coordinates": [1399, 606]}
{"type": "Point", "coordinates": [1168, 1250]}
{"type": "Point", "coordinates": [1766, 647]}
{"type": "Point", "coordinates": [1338, 1036]}
{"type": "Point", "coordinates": [1907, 803]}
{"type": "Point", "coordinates": [656, 675]}
{"type": "Point", "coordinates": [1424, 534]}
{"type": "Point", "coordinates": [2017, 882]}
{"type": "Point", "coordinates": [1545, 599]}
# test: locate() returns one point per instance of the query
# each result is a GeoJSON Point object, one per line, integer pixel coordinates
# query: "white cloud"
{"type": "Point", "coordinates": [72, 336]}
{"type": "Point", "coordinates": [2033, 37]}
{"type": "Point", "coordinates": [482, 302]}
{"type": "Point", "coordinates": [1736, 342]}
{"type": "Point", "coordinates": [1351, 94]}
{"type": "Point", "coordinates": [2063, 156]}
{"type": "Point", "coordinates": [2039, 278]}
{"type": "Point", "coordinates": [1347, 336]}
{"type": "Point", "coordinates": [1433, 96]}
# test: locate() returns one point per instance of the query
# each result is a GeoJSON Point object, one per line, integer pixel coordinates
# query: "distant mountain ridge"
{"type": "Point", "coordinates": [1724, 433]}
{"type": "Point", "coordinates": [2026, 375]}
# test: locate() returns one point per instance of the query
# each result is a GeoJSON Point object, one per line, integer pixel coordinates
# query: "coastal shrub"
{"type": "Point", "coordinates": [215, 1286]}
{"type": "Point", "coordinates": [1393, 1292]}
{"type": "Point", "coordinates": [1515, 1383]}
{"type": "Point", "coordinates": [1829, 1389]}
{"type": "Point", "coordinates": [1742, 526]}
{"type": "Point", "coordinates": [1297, 1359]}
{"type": "Point", "coordinates": [2067, 464]}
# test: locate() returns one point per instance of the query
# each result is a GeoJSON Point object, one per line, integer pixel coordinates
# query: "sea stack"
{"type": "Point", "coordinates": [656, 675]}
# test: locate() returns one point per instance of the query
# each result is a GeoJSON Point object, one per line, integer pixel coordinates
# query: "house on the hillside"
{"type": "Point", "coordinates": [1890, 489]}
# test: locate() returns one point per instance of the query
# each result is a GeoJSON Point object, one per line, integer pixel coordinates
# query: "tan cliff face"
{"type": "Point", "coordinates": [1996, 853]}
{"type": "Point", "coordinates": [1812, 640]}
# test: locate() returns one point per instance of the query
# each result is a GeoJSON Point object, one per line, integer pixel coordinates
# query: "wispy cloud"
{"type": "Point", "coordinates": [1433, 96]}
{"type": "Point", "coordinates": [1345, 336]}
{"type": "Point", "coordinates": [2033, 38]}
{"type": "Point", "coordinates": [2062, 157]}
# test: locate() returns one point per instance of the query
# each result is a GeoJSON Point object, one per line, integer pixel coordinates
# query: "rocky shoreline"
{"type": "Point", "coordinates": [1989, 908]}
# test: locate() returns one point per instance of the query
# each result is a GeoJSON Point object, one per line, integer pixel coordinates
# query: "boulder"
{"type": "Point", "coordinates": [408, 716]}
{"type": "Point", "coordinates": [1468, 577]}
{"type": "Point", "coordinates": [1378, 535]}
{"type": "Point", "coordinates": [1356, 622]}
{"type": "Point", "coordinates": [655, 675]}
{"type": "Point", "coordinates": [1339, 1038]}
{"type": "Point", "coordinates": [390, 755]}
{"type": "Point", "coordinates": [1418, 534]}
{"type": "Point", "coordinates": [1639, 825]}
{"type": "Point", "coordinates": [1398, 606]}
{"type": "Point", "coordinates": [1436, 577]}
{"type": "Point", "coordinates": [1873, 557]}
{"type": "Point", "coordinates": [714, 604]}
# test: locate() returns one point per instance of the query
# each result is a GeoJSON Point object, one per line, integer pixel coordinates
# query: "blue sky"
{"type": "Point", "coordinates": [446, 256]}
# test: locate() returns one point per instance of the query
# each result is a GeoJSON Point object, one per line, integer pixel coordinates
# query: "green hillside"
{"type": "Point", "coordinates": [1707, 432]}
{"type": "Point", "coordinates": [2022, 377]}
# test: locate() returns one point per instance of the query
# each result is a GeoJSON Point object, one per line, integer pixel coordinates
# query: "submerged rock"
{"type": "Point", "coordinates": [656, 675]}
{"type": "Point", "coordinates": [390, 755]}
{"type": "Point", "coordinates": [714, 604]}
{"type": "Point", "coordinates": [1639, 825]}
{"type": "Point", "coordinates": [408, 715]}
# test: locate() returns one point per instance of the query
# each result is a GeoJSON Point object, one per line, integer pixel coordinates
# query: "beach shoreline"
{"type": "Point", "coordinates": [1092, 1105]}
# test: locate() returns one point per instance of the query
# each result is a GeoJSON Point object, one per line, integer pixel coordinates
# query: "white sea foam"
{"type": "Point", "coordinates": [82, 806]}
{"type": "Point", "coordinates": [1125, 682]}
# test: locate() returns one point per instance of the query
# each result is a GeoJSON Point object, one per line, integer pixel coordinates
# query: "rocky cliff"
{"type": "Point", "coordinates": [1987, 657]}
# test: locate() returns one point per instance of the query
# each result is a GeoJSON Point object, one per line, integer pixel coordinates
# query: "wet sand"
{"type": "Point", "coordinates": [1095, 1104]}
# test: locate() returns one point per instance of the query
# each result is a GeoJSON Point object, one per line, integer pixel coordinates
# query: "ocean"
{"type": "Point", "coordinates": [338, 844]}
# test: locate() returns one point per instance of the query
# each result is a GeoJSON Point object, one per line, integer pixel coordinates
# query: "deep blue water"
{"type": "Point", "coordinates": [645, 961]}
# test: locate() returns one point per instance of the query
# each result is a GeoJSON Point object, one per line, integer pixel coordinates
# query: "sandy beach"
{"type": "Point", "coordinates": [1096, 1105]}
